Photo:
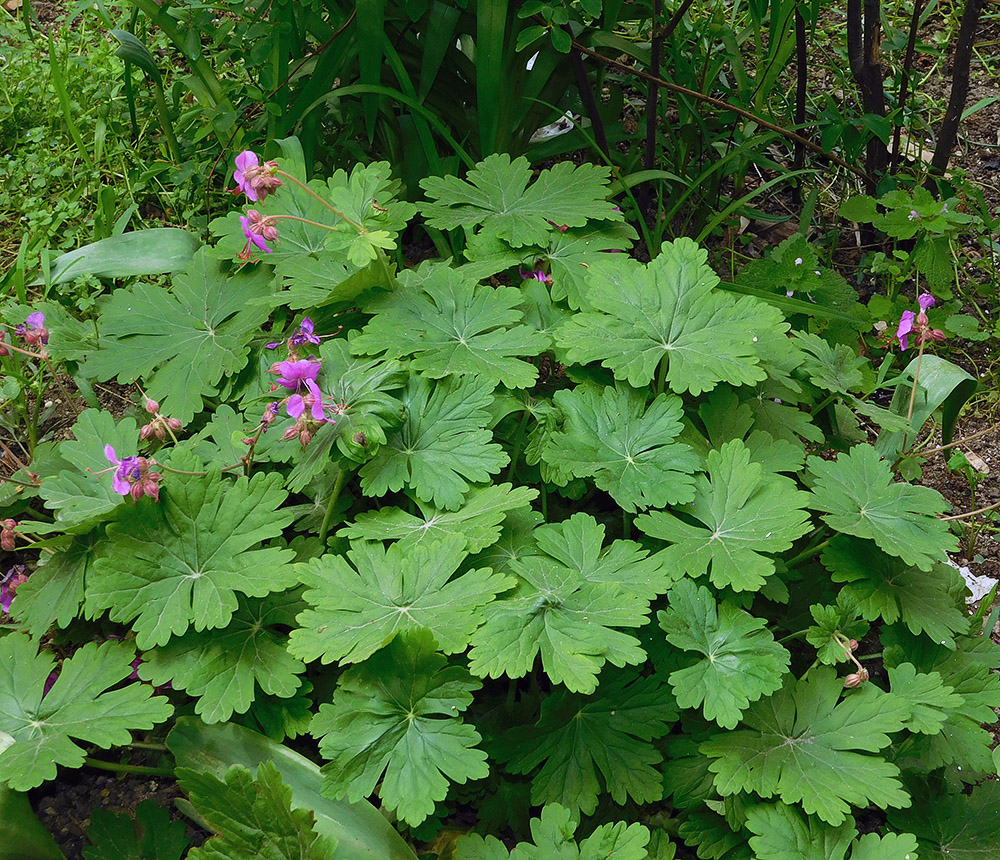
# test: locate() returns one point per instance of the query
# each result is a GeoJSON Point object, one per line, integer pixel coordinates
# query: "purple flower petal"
{"type": "Point", "coordinates": [274, 344]}
{"type": "Point", "coordinates": [317, 405]}
{"type": "Point", "coordinates": [120, 485]}
{"type": "Point", "coordinates": [244, 162]}
{"type": "Point", "coordinates": [925, 300]}
{"type": "Point", "coordinates": [905, 327]}
{"type": "Point", "coordinates": [294, 372]}
{"type": "Point", "coordinates": [109, 452]}
{"type": "Point", "coordinates": [36, 320]}
{"type": "Point", "coordinates": [295, 406]}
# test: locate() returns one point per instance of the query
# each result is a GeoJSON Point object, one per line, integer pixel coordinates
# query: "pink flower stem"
{"type": "Point", "coordinates": [312, 193]}
{"type": "Point", "coordinates": [916, 377]}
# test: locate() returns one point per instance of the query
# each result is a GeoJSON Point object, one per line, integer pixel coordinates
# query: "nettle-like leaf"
{"type": "Point", "coordinates": [396, 720]}
{"type": "Point", "coordinates": [744, 511]}
{"type": "Point", "coordinates": [956, 826]}
{"type": "Point", "coordinates": [496, 195]}
{"type": "Point", "coordinates": [151, 835]}
{"type": "Point", "coordinates": [802, 745]}
{"type": "Point", "coordinates": [741, 661]}
{"type": "Point", "coordinates": [54, 592]}
{"type": "Point", "coordinates": [443, 445]}
{"type": "Point", "coordinates": [783, 833]}
{"type": "Point", "coordinates": [36, 727]}
{"type": "Point", "coordinates": [478, 522]}
{"type": "Point", "coordinates": [222, 667]}
{"type": "Point", "coordinates": [566, 605]}
{"type": "Point", "coordinates": [570, 254]}
{"type": "Point", "coordinates": [180, 563]}
{"type": "Point", "coordinates": [253, 817]}
{"type": "Point", "coordinates": [452, 325]}
{"type": "Point", "coordinates": [360, 606]}
{"type": "Point", "coordinates": [82, 497]}
{"type": "Point", "coordinates": [927, 695]}
{"type": "Point", "coordinates": [857, 496]}
{"type": "Point", "coordinates": [590, 744]}
{"type": "Point", "coordinates": [628, 448]}
{"type": "Point", "coordinates": [638, 316]}
{"type": "Point", "coordinates": [553, 838]}
{"type": "Point", "coordinates": [885, 587]}
{"type": "Point", "coordinates": [183, 340]}
{"type": "Point", "coordinates": [365, 409]}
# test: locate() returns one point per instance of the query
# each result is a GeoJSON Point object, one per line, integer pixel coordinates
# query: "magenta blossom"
{"type": "Point", "coordinates": [33, 330]}
{"type": "Point", "coordinates": [254, 179]}
{"type": "Point", "coordinates": [291, 374]}
{"type": "Point", "coordinates": [918, 324]}
{"type": "Point", "coordinates": [304, 334]}
{"type": "Point", "coordinates": [126, 474]}
{"type": "Point", "coordinates": [8, 585]}
{"type": "Point", "coordinates": [253, 239]}
{"type": "Point", "coordinates": [905, 327]}
{"type": "Point", "coordinates": [925, 300]}
{"type": "Point", "coordinates": [246, 161]}
{"type": "Point", "coordinates": [313, 401]}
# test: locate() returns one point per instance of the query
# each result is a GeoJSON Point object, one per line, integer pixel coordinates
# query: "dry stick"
{"type": "Point", "coordinates": [904, 83]}
{"type": "Point", "coordinates": [719, 103]}
{"type": "Point", "coordinates": [587, 96]}
{"type": "Point", "coordinates": [959, 87]}
{"type": "Point", "coordinates": [958, 442]}
{"type": "Point", "coordinates": [992, 507]}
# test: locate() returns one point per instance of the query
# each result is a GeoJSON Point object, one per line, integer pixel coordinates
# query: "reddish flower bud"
{"type": "Point", "coordinates": [290, 433]}
{"type": "Point", "coordinates": [9, 524]}
{"type": "Point", "coordinates": [3, 350]}
{"type": "Point", "coordinates": [856, 679]}
{"type": "Point", "coordinates": [305, 437]}
{"type": "Point", "coordinates": [136, 491]}
{"type": "Point", "coordinates": [854, 644]}
{"type": "Point", "coordinates": [174, 423]}
{"type": "Point", "coordinates": [7, 541]}
{"type": "Point", "coordinates": [152, 407]}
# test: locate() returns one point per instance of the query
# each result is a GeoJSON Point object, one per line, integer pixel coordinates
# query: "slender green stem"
{"type": "Point", "coordinates": [337, 487]}
{"type": "Point", "coordinates": [807, 553]}
{"type": "Point", "coordinates": [145, 745]}
{"type": "Point", "coordinates": [661, 374]}
{"type": "Point", "coordinates": [99, 764]}
{"type": "Point", "coordinates": [916, 378]}
{"type": "Point", "coordinates": [312, 193]}
{"type": "Point", "coordinates": [798, 634]}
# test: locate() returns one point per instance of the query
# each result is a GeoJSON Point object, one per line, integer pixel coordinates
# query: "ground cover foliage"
{"type": "Point", "coordinates": [590, 547]}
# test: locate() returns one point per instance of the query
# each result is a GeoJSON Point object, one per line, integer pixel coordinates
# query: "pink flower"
{"type": "Point", "coordinates": [293, 373]}
{"type": "Point", "coordinates": [33, 330]}
{"type": "Point", "coordinates": [246, 161]}
{"type": "Point", "coordinates": [254, 179]}
{"type": "Point", "coordinates": [8, 585]}
{"type": "Point", "coordinates": [128, 471]}
{"type": "Point", "coordinates": [925, 300]}
{"type": "Point", "coordinates": [253, 239]}
{"type": "Point", "coordinates": [313, 401]}
{"type": "Point", "coordinates": [905, 327]}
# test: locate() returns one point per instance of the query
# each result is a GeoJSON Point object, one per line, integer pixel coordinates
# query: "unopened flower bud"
{"type": "Point", "coordinates": [7, 536]}
{"type": "Point", "coordinates": [854, 644]}
{"type": "Point", "coordinates": [290, 433]}
{"type": "Point", "coordinates": [146, 431]}
{"type": "Point", "coordinates": [305, 437]}
{"type": "Point", "coordinates": [936, 334]}
{"type": "Point", "coordinates": [137, 491]}
{"type": "Point", "coordinates": [3, 350]}
{"type": "Point", "coordinates": [856, 678]}
{"type": "Point", "coordinates": [174, 423]}
{"type": "Point", "coordinates": [152, 407]}
{"type": "Point", "coordinates": [9, 524]}
{"type": "Point", "coordinates": [151, 488]}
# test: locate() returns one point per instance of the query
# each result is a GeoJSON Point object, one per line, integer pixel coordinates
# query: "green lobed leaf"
{"type": "Point", "coordinates": [571, 253]}
{"type": "Point", "coordinates": [804, 746]}
{"type": "Point", "coordinates": [452, 325]}
{"type": "Point", "coordinates": [80, 705]}
{"type": "Point", "coordinates": [443, 445]}
{"type": "Point", "coordinates": [885, 587]}
{"type": "Point", "coordinates": [588, 746]}
{"type": "Point", "coordinates": [741, 661]}
{"type": "Point", "coordinates": [223, 667]}
{"type": "Point", "coordinates": [183, 340]}
{"type": "Point", "coordinates": [496, 195]}
{"type": "Point", "coordinates": [743, 512]}
{"type": "Point", "coordinates": [857, 496]}
{"type": "Point", "coordinates": [926, 694]}
{"type": "Point", "coordinates": [478, 522]}
{"type": "Point", "coordinates": [358, 607]}
{"type": "Point", "coordinates": [954, 827]}
{"type": "Point", "coordinates": [180, 563]}
{"type": "Point", "coordinates": [629, 448]}
{"type": "Point", "coordinates": [781, 832]}
{"type": "Point", "coordinates": [638, 316]}
{"type": "Point", "coordinates": [396, 722]}
{"type": "Point", "coordinates": [252, 816]}
{"type": "Point", "coordinates": [151, 835]}
{"type": "Point", "coordinates": [54, 592]}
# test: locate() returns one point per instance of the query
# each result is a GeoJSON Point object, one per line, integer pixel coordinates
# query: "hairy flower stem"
{"type": "Point", "coordinates": [331, 503]}
{"type": "Point", "coordinates": [312, 193]}
{"type": "Point", "coordinates": [808, 553]}
{"type": "Point", "coordinates": [916, 378]}
{"type": "Point", "coordinates": [62, 388]}
{"type": "Point", "coordinates": [99, 764]}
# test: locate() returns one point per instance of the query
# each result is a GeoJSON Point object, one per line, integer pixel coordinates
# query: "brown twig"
{"type": "Point", "coordinates": [992, 507]}
{"type": "Point", "coordinates": [904, 83]}
{"type": "Point", "coordinates": [957, 442]}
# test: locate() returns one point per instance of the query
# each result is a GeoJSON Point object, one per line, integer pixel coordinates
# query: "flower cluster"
{"type": "Point", "coordinates": [33, 331]}
{"type": "Point", "coordinates": [133, 476]}
{"type": "Point", "coordinates": [254, 179]}
{"type": "Point", "coordinates": [160, 426]}
{"type": "Point", "coordinates": [918, 323]}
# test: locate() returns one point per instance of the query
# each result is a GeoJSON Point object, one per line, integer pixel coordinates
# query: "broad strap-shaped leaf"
{"type": "Point", "coordinates": [83, 496]}
{"type": "Point", "coordinates": [443, 445]}
{"type": "Point", "coordinates": [857, 496]}
{"type": "Point", "coordinates": [253, 817]}
{"type": "Point", "coordinates": [36, 728]}
{"type": "Point", "coordinates": [223, 667]}
{"type": "Point", "coordinates": [478, 522]}
{"type": "Point", "coordinates": [637, 316]}
{"type": "Point", "coordinates": [183, 340]}
{"type": "Point", "coordinates": [587, 745]}
{"type": "Point", "coordinates": [552, 836]}
{"type": "Point", "coordinates": [396, 719]}
{"type": "Point", "coordinates": [630, 449]}
{"type": "Point", "coordinates": [496, 194]}
{"type": "Point", "coordinates": [452, 325]}
{"type": "Point", "coordinates": [803, 746]}
{"type": "Point", "coordinates": [743, 512]}
{"type": "Point", "coordinates": [954, 826]}
{"type": "Point", "coordinates": [566, 605]}
{"type": "Point", "coordinates": [181, 562]}
{"type": "Point", "coordinates": [54, 592]}
{"type": "Point", "coordinates": [741, 661]}
{"type": "Point", "coordinates": [927, 695]}
{"type": "Point", "coordinates": [885, 587]}
{"type": "Point", "coordinates": [360, 606]}
{"type": "Point", "coordinates": [151, 835]}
